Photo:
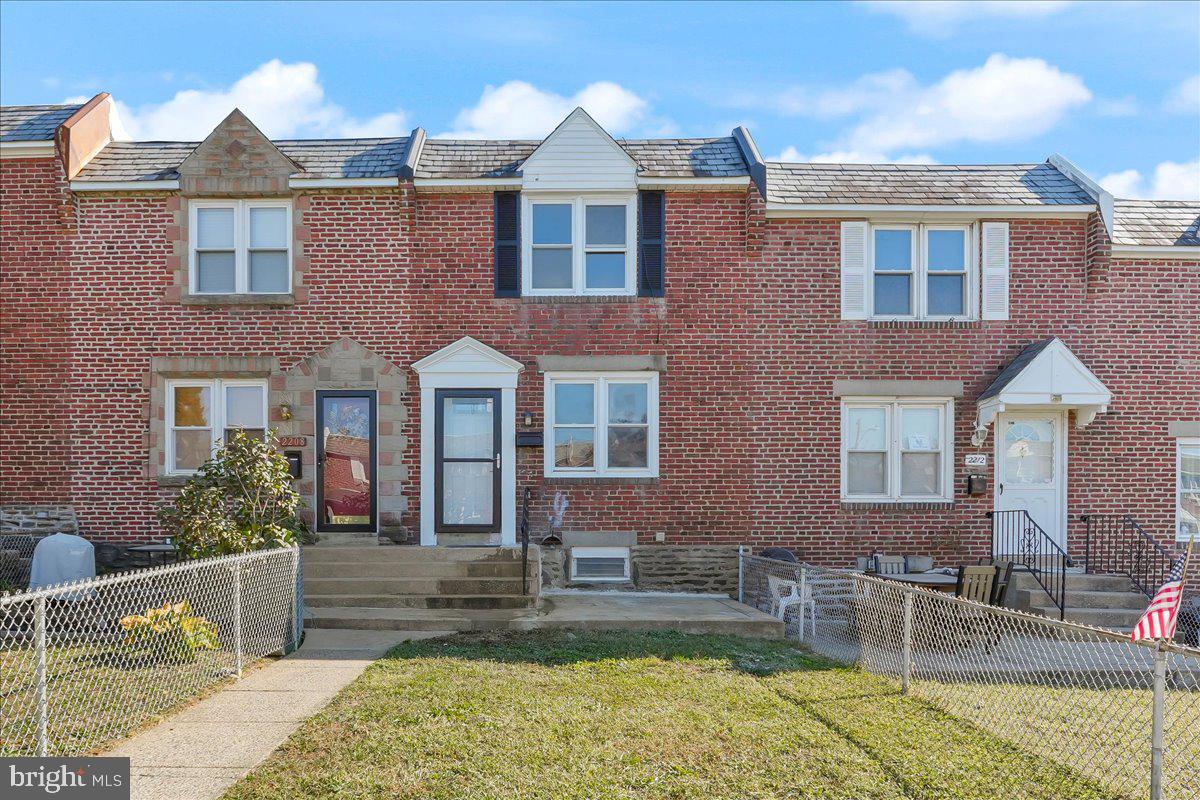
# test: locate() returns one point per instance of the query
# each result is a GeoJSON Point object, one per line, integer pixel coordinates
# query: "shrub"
{"type": "Point", "coordinates": [170, 632]}
{"type": "Point", "coordinates": [239, 501]}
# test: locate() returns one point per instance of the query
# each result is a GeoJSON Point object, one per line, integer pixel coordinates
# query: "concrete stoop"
{"type": "Point", "coordinates": [408, 588]}
{"type": "Point", "coordinates": [1106, 601]}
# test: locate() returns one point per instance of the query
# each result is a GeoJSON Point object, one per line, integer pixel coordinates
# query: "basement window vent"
{"type": "Point", "coordinates": [599, 563]}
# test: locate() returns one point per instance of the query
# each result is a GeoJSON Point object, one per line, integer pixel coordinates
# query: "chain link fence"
{"type": "Point", "coordinates": [1124, 714]}
{"type": "Point", "coordinates": [85, 664]}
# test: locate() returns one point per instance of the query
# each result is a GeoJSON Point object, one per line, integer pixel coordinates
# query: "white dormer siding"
{"type": "Point", "coordinates": [579, 156]}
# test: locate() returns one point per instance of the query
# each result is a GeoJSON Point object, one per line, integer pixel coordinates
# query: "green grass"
{"type": "Point", "coordinates": [621, 715]}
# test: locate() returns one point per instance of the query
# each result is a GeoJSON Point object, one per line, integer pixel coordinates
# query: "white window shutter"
{"type": "Point", "coordinates": [854, 270]}
{"type": "Point", "coordinates": [994, 277]}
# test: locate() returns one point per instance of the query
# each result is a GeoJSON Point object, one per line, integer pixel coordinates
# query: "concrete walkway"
{"type": "Point", "coordinates": [200, 752]}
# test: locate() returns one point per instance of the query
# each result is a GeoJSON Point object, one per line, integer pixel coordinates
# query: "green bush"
{"type": "Point", "coordinates": [240, 501]}
{"type": "Point", "coordinates": [170, 632]}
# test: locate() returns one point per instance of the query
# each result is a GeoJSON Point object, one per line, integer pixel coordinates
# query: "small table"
{"type": "Point", "coordinates": [937, 581]}
{"type": "Point", "coordinates": [164, 551]}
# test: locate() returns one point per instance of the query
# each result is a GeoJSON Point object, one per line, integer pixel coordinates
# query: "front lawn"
{"type": "Point", "coordinates": [622, 715]}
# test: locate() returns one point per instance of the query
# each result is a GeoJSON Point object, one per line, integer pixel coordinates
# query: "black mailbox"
{"type": "Point", "coordinates": [295, 463]}
{"type": "Point", "coordinates": [977, 485]}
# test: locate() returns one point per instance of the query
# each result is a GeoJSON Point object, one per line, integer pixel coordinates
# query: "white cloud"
{"type": "Point", "coordinates": [1005, 99]}
{"type": "Point", "coordinates": [852, 157]}
{"type": "Point", "coordinates": [519, 110]}
{"type": "Point", "coordinates": [941, 17]}
{"type": "Point", "coordinates": [1184, 98]}
{"type": "Point", "coordinates": [1171, 181]}
{"type": "Point", "coordinates": [283, 100]}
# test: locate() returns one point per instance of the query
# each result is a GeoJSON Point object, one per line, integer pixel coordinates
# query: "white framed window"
{"type": "Point", "coordinates": [202, 414]}
{"type": "Point", "coordinates": [240, 246]}
{"type": "Point", "coordinates": [897, 450]}
{"type": "Point", "coordinates": [579, 244]}
{"type": "Point", "coordinates": [1187, 489]}
{"type": "Point", "coordinates": [601, 424]}
{"type": "Point", "coordinates": [922, 271]}
{"type": "Point", "coordinates": [596, 564]}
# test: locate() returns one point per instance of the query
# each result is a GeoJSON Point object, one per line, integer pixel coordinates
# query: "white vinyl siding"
{"type": "Point", "coordinates": [601, 424]}
{"type": "Point", "coordinates": [240, 247]}
{"type": "Point", "coordinates": [897, 450]}
{"type": "Point", "coordinates": [579, 244]}
{"type": "Point", "coordinates": [1187, 489]}
{"type": "Point", "coordinates": [201, 415]}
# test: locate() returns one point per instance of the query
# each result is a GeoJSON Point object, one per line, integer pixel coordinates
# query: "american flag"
{"type": "Point", "coordinates": [1159, 620]}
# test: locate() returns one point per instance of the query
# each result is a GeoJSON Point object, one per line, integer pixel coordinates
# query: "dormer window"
{"type": "Point", "coordinates": [580, 245]}
{"type": "Point", "coordinates": [240, 247]}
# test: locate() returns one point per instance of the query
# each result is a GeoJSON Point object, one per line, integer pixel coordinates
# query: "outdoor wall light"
{"type": "Point", "coordinates": [527, 418]}
{"type": "Point", "coordinates": [285, 411]}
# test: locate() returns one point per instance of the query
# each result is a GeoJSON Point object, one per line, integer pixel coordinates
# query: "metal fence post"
{"type": "Point", "coordinates": [741, 573]}
{"type": "Point", "coordinates": [298, 599]}
{"type": "Point", "coordinates": [906, 652]}
{"type": "Point", "coordinates": [1156, 722]}
{"type": "Point", "coordinates": [43, 706]}
{"type": "Point", "coordinates": [237, 617]}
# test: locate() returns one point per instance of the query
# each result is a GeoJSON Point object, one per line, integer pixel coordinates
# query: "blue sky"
{"type": "Point", "coordinates": [1113, 86]}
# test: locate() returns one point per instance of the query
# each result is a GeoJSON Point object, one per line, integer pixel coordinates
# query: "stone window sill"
{"type": "Point", "coordinates": [611, 481]}
{"type": "Point", "coordinates": [172, 480]}
{"type": "Point", "coordinates": [936, 505]}
{"type": "Point", "coordinates": [238, 299]}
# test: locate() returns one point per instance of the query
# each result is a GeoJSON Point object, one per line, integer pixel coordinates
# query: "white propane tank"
{"type": "Point", "coordinates": [61, 558]}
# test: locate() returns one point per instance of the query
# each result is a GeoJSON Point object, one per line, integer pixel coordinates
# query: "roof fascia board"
{"type": "Point", "coordinates": [412, 153]}
{"type": "Point", "coordinates": [514, 181]}
{"type": "Point", "coordinates": [27, 149]}
{"type": "Point", "coordinates": [784, 210]}
{"type": "Point", "coordinates": [753, 158]}
{"type": "Point", "coordinates": [341, 183]}
{"type": "Point", "coordinates": [1166, 251]}
{"type": "Point", "coordinates": [1102, 196]}
{"type": "Point", "coordinates": [124, 186]}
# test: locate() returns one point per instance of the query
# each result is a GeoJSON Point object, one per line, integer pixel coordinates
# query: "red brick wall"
{"type": "Point", "coordinates": [35, 285]}
{"type": "Point", "coordinates": [750, 327]}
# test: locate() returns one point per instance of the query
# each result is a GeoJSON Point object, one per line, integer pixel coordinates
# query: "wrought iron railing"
{"type": "Point", "coordinates": [1117, 545]}
{"type": "Point", "coordinates": [1018, 538]}
{"type": "Point", "coordinates": [524, 532]}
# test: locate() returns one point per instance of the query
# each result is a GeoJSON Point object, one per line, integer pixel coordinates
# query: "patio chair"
{"type": "Point", "coordinates": [1004, 571]}
{"type": "Point", "coordinates": [786, 593]}
{"type": "Point", "coordinates": [890, 565]}
{"type": "Point", "coordinates": [975, 583]}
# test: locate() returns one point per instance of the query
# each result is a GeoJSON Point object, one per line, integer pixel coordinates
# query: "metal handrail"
{"type": "Point", "coordinates": [1117, 545]}
{"type": "Point", "coordinates": [525, 542]}
{"type": "Point", "coordinates": [1017, 536]}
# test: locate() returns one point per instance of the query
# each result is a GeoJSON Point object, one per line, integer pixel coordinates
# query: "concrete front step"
{"type": "Point", "coordinates": [347, 540]}
{"type": "Point", "coordinates": [1027, 598]}
{"type": "Point", "coordinates": [414, 569]}
{"type": "Point", "coordinates": [351, 555]}
{"type": "Point", "coordinates": [1118, 619]}
{"type": "Point", "coordinates": [1078, 582]}
{"type": "Point", "coordinates": [413, 619]}
{"type": "Point", "coordinates": [456, 601]}
{"type": "Point", "coordinates": [417, 586]}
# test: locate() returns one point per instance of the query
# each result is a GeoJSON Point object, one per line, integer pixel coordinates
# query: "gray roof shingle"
{"type": "Point", "coordinates": [1156, 223]}
{"type": "Point", "coordinates": [321, 158]}
{"type": "Point", "coordinates": [33, 123]}
{"type": "Point", "coordinates": [1014, 368]}
{"type": "Point", "coordinates": [658, 158]}
{"type": "Point", "coordinates": [904, 184]}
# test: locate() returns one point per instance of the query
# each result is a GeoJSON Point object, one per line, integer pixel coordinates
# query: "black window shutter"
{"type": "Point", "coordinates": [652, 223]}
{"type": "Point", "coordinates": [508, 243]}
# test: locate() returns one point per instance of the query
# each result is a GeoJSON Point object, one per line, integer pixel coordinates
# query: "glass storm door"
{"type": "Point", "coordinates": [467, 460]}
{"type": "Point", "coordinates": [346, 457]}
{"type": "Point", "coordinates": [1029, 468]}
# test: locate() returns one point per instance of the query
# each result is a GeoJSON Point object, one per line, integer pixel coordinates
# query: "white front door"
{"type": "Point", "coordinates": [1031, 468]}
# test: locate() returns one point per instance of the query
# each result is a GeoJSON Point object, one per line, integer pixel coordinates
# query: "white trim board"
{"type": "Point", "coordinates": [32, 149]}
{"type": "Point", "coordinates": [1158, 252]}
{"type": "Point", "coordinates": [917, 213]}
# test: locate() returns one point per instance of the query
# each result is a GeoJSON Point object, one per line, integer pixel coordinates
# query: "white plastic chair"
{"type": "Point", "coordinates": [787, 593]}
